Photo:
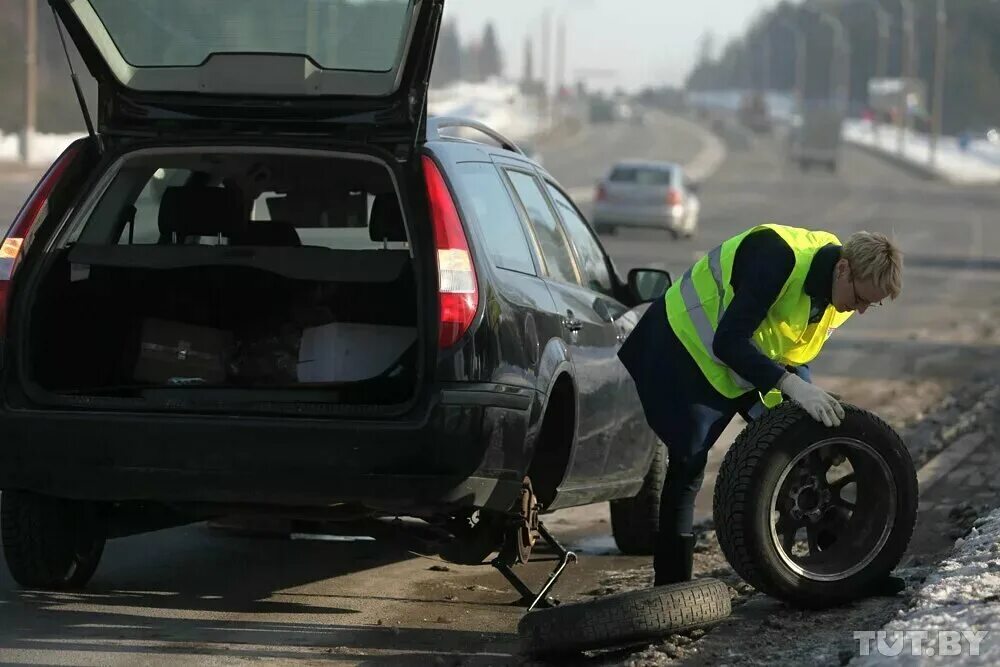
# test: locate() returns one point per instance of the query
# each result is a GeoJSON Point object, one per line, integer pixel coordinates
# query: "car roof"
{"type": "Point", "coordinates": [456, 149]}
{"type": "Point", "coordinates": [646, 164]}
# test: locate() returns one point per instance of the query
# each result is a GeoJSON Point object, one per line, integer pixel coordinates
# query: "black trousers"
{"type": "Point", "coordinates": [683, 409]}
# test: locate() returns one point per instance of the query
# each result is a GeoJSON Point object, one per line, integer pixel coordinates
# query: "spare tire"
{"type": "Point", "coordinates": [812, 515]}
{"type": "Point", "coordinates": [624, 618]}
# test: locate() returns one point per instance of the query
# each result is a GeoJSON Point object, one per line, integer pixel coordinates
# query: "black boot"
{"type": "Point", "coordinates": [673, 559]}
{"type": "Point", "coordinates": [888, 587]}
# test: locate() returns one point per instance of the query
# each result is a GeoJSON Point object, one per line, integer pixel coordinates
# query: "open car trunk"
{"type": "Point", "coordinates": [232, 279]}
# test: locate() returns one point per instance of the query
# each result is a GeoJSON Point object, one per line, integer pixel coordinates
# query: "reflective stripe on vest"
{"type": "Point", "coordinates": [696, 310]}
{"type": "Point", "coordinates": [785, 336]}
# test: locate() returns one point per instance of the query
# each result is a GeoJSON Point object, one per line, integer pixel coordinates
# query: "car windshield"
{"type": "Point", "coordinates": [361, 35]}
{"type": "Point", "coordinates": [640, 175]}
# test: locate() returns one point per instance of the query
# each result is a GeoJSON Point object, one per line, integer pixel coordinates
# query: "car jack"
{"type": "Point", "coordinates": [503, 563]}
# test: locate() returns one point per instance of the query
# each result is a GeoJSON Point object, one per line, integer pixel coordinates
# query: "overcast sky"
{"type": "Point", "coordinates": [643, 41]}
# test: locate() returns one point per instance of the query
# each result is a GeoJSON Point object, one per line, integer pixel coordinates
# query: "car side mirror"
{"type": "Point", "coordinates": [648, 285]}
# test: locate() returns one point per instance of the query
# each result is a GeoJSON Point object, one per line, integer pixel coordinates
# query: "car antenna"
{"type": "Point", "coordinates": [76, 86]}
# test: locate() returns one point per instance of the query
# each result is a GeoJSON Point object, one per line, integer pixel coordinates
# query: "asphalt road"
{"type": "Point", "coordinates": [194, 596]}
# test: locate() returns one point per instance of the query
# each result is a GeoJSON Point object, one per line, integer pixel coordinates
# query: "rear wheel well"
{"type": "Point", "coordinates": [555, 441]}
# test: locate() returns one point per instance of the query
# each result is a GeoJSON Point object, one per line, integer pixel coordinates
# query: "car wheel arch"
{"type": "Point", "coordinates": [552, 436]}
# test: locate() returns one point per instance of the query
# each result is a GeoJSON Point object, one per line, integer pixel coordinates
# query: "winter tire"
{"type": "Point", "coordinates": [625, 618]}
{"type": "Point", "coordinates": [812, 515]}
{"type": "Point", "coordinates": [634, 521]}
{"type": "Point", "coordinates": [50, 543]}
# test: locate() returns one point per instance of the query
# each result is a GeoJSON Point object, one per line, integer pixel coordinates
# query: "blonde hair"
{"type": "Point", "coordinates": [872, 256]}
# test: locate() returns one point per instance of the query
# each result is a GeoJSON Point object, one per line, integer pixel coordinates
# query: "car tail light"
{"type": "Point", "coordinates": [601, 193]}
{"type": "Point", "coordinates": [34, 210]}
{"type": "Point", "coordinates": [673, 197]}
{"type": "Point", "coordinates": [458, 292]}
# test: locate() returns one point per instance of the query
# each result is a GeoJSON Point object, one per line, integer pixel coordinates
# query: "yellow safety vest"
{"type": "Point", "coordinates": [695, 306]}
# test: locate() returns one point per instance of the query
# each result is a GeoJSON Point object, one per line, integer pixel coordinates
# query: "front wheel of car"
{"type": "Point", "coordinates": [50, 543]}
{"type": "Point", "coordinates": [634, 521]}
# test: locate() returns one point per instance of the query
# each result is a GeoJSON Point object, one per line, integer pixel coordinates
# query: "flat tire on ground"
{"type": "Point", "coordinates": [624, 619]}
{"type": "Point", "coordinates": [796, 525]}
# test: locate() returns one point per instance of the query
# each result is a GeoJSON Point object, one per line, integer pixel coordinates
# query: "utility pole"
{"type": "Point", "coordinates": [800, 61]}
{"type": "Point", "coordinates": [940, 54]}
{"type": "Point", "coordinates": [30, 76]}
{"type": "Point", "coordinates": [840, 89]}
{"type": "Point", "coordinates": [546, 53]}
{"type": "Point", "coordinates": [882, 56]}
{"type": "Point", "coordinates": [909, 52]}
{"type": "Point", "coordinates": [765, 61]}
{"type": "Point", "coordinates": [560, 55]}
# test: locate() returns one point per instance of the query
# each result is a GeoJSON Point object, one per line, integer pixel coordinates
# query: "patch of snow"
{"type": "Point", "coordinates": [979, 164]}
{"type": "Point", "coordinates": [961, 595]}
{"type": "Point", "coordinates": [499, 104]}
{"type": "Point", "coordinates": [43, 148]}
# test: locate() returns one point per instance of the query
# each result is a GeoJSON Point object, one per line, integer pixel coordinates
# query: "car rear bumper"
{"type": "Point", "coordinates": [664, 217]}
{"type": "Point", "coordinates": [467, 451]}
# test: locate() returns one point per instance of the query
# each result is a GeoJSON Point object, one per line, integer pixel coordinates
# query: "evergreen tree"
{"type": "Point", "coordinates": [448, 58]}
{"type": "Point", "coordinates": [490, 57]}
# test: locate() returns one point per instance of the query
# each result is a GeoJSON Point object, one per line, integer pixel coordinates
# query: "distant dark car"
{"type": "Point", "coordinates": [277, 294]}
{"type": "Point", "coordinates": [754, 113]}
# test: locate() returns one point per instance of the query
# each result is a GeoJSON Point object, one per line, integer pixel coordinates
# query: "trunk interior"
{"type": "Point", "coordinates": [203, 279]}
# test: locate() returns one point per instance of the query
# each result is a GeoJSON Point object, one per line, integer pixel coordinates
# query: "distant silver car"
{"type": "Point", "coordinates": [647, 194]}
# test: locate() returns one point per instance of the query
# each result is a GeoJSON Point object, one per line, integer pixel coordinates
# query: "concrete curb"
{"type": "Point", "coordinates": [914, 168]}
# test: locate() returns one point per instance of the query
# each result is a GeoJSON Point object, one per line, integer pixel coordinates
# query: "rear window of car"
{"type": "Point", "coordinates": [362, 35]}
{"type": "Point", "coordinates": [641, 176]}
{"type": "Point", "coordinates": [311, 202]}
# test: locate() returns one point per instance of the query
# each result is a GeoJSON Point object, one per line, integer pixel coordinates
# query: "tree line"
{"type": "Point", "coordinates": [474, 61]}
{"type": "Point", "coordinates": [766, 51]}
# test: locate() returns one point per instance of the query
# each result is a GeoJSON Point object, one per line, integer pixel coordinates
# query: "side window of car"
{"type": "Point", "coordinates": [593, 264]}
{"type": "Point", "coordinates": [551, 239]}
{"type": "Point", "coordinates": [498, 219]}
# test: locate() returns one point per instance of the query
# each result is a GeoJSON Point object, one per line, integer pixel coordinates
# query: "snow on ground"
{"type": "Point", "coordinates": [979, 164]}
{"type": "Point", "coordinates": [44, 147]}
{"type": "Point", "coordinates": [961, 596]}
{"type": "Point", "coordinates": [497, 103]}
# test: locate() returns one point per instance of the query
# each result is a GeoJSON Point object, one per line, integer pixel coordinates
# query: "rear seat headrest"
{"type": "Point", "coordinates": [268, 233]}
{"type": "Point", "coordinates": [386, 223]}
{"type": "Point", "coordinates": [201, 211]}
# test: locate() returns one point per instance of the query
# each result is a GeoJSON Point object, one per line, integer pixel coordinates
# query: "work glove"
{"type": "Point", "coordinates": [820, 405]}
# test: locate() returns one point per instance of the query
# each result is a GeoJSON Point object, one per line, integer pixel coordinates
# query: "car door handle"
{"type": "Point", "coordinates": [572, 323]}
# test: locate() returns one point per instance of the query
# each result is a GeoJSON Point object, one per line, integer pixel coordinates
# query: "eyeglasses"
{"type": "Point", "coordinates": [860, 302]}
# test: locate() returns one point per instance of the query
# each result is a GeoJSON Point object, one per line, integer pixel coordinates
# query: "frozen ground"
{"type": "Point", "coordinates": [980, 163]}
{"type": "Point", "coordinates": [961, 596]}
{"type": "Point", "coordinates": [44, 147]}
{"type": "Point", "coordinates": [499, 104]}
{"type": "Point", "coordinates": [496, 103]}
{"type": "Point", "coordinates": [960, 592]}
